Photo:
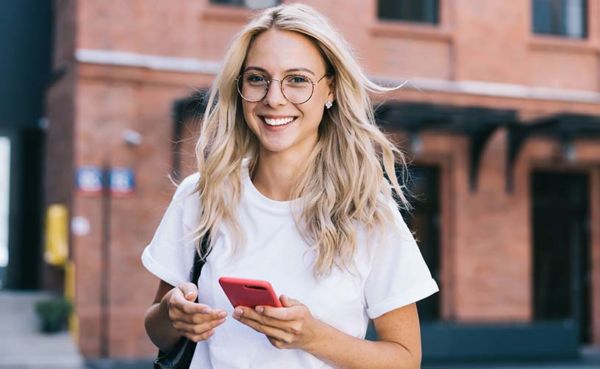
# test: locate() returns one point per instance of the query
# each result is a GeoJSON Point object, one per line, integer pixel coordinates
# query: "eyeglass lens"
{"type": "Point", "coordinates": [254, 86]}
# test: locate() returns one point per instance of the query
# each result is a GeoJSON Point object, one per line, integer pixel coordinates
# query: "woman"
{"type": "Point", "coordinates": [290, 189]}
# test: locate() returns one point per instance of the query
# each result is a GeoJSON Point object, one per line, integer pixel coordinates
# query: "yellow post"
{"type": "Point", "coordinates": [57, 236]}
{"type": "Point", "coordinates": [57, 254]}
{"type": "Point", "coordinates": [70, 295]}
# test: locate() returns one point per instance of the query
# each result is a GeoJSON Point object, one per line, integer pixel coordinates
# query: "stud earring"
{"type": "Point", "coordinates": [328, 104]}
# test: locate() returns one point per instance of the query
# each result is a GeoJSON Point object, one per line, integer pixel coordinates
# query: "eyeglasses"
{"type": "Point", "coordinates": [296, 88]}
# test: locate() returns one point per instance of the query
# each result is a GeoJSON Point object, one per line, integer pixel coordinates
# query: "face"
{"type": "Point", "coordinates": [281, 126]}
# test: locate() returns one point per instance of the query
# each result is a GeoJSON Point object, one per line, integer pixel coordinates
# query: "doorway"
{"type": "Point", "coordinates": [4, 204]}
{"type": "Point", "coordinates": [561, 252]}
{"type": "Point", "coordinates": [424, 220]}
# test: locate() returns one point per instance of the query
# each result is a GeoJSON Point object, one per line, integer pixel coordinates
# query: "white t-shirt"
{"type": "Point", "coordinates": [388, 273]}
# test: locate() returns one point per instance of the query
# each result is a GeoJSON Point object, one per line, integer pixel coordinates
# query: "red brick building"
{"type": "Point", "coordinates": [500, 117]}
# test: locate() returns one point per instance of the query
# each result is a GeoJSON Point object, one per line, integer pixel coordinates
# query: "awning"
{"type": "Point", "coordinates": [564, 127]}
{"type": "Point", "coordinates": [477, 123]}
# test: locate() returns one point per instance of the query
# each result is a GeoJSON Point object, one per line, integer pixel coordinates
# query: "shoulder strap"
{"type": "Point", "coordinates": [200, 261]}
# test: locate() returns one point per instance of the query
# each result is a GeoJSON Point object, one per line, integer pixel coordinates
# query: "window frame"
{"type": "Point", "coordinates": [562, 21]}
{"type": "Point", "coordinates": [241, 3]}
{"type": "Point", "coordinates": [433, 6]}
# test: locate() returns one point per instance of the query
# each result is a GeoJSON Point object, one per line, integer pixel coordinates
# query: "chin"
{"type": "Point", "coordinates": [274, 147]}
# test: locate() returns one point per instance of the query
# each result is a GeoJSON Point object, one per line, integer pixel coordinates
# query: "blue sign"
{"type": "Point", "coordinates": [122, 181]}
{"type": "Point", "coordinates": [88, 180]}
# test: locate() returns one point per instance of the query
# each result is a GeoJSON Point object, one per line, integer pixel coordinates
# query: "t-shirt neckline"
{"type": "Point", "coordinates": [255, 195]}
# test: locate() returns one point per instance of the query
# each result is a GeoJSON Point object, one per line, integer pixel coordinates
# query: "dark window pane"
{"type": "Point", "coordinates": [253, 4]}
{"type": "Point", "coordinates": [228, 2]}
{"type": "Point", "coordinates": [424, 11]}
{"type": "Point", "coordinates": [560, 17]}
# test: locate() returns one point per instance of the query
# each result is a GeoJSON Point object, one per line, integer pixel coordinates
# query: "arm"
{"type": "Point", "coordinates": [174, 314]}
{"type": "Point", "coordinates": [399, 344]}
{"type": "Point", "coordinates": [293, 326]}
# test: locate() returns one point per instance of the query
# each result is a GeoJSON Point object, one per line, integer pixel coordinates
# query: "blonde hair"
{"type": "Point", "coordinates": [342, 184]}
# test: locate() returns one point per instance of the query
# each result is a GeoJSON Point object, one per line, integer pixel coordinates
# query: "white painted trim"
{"type": "Point", "coordinates": [494, 89]}
{"type": "Point", "coordinates": [193, 65]}
{"type": "Point", "coordinates": [158, 62]}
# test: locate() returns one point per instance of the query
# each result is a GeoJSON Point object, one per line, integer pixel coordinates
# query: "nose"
{"type": "Point", "coordinates": [275, 95]}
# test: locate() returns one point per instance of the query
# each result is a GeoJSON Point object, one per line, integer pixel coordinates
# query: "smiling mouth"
{"type": "Point", "coordinates": [278, 122]}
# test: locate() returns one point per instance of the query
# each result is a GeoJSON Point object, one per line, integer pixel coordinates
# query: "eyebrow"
{"type": "Point", "coordinates": [286, 71]}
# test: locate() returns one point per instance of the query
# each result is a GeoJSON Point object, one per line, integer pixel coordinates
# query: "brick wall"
{"type": "Point", "coordinates": [485, 235]}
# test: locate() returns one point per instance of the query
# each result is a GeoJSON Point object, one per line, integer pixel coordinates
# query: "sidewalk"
{"type": "Point", "coordinates": [21, 344]}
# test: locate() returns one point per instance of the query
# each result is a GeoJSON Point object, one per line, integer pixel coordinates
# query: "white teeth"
{"type": "Point", "coordinates": [278, 122]}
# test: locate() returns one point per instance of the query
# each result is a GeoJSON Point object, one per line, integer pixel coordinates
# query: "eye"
{"type": "Point", "coordinates": [297, 79]}
{"type": "Point", "coordinates": [255, 78]}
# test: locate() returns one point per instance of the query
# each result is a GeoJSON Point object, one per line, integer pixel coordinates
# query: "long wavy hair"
{"type": "Point", "coordinates": [342, 186]}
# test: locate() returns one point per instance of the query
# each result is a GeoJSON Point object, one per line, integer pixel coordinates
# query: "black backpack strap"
{"type": "Point", "coordinates": [200, 261]}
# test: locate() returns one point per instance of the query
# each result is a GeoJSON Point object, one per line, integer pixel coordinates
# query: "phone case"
{"type": "Point", "coordinates": [249, 292]}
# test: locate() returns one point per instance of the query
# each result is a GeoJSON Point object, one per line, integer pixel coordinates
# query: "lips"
{"type": "Point", "coordinates": [277, 121]}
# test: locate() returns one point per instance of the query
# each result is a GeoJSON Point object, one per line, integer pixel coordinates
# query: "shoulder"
{"type": "Point", "coordinates": [187, 187]}
{"type": "Point", "coordinates": [187, 200]}
{"type": "Point", "coordinates": [393, 225]}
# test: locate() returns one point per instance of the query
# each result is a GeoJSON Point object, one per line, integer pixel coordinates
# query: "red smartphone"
{"type": "Point", "coordinates": [249, 292]}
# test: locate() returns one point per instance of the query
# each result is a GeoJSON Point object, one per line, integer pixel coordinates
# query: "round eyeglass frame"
{"type": "Point", "coordinates": [239, 81]}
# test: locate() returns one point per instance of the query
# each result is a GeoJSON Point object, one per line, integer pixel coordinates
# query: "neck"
{"type": "Point", "coordinates": [276, 173]}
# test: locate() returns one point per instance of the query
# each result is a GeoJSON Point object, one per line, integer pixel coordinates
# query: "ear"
{"type": "Point", "coordinates": [331, 84]}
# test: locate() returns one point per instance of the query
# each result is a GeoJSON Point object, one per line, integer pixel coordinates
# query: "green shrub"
{"type": "Point", "coordinates": [53, 313]}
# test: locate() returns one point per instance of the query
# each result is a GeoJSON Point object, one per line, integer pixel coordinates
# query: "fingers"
{"type": "Point", "coordinates": [251, 318]}
{"type": "Point", "coordinates": [293, 309]}
{"type": "Point", "coordinates": [193, 320]}
{"type": "Point", "coordinates": [190, 315]}
{"type": "Point", "coordinates": [288, 301]}
{"type": "Point", "coordinates": [182, 300]}
{"type": "Point", "coordinates": [278, 343]}
{"type": "Point", "coordinates": [291, 326]}
{"type": "Point", "coordinates": [277, 333]}
{"type": "Point", "coordinates": [196, 337]}
{"type": "Point", "coordinates": [198, 326]}
{"type": "Point", "coordinates": [189, 291]}
{"type": "Point", "coordinates": [198, 332]}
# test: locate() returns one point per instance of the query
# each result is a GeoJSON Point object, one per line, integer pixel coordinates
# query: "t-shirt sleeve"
{"type": "Point", "coordinates": [398, 275]}
{"type": "Point", "coordinates": [170, 254]}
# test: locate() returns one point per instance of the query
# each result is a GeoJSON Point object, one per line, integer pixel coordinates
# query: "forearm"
{"type": "Point", "coordinates": [346, 352]}
{"type": "Point", "coordinates": [159, 327]}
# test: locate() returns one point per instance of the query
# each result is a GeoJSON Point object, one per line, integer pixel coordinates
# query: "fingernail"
{"type": "Point", "coordinates": [222, 314]}
{"type": "Point", "coordinates": [260, 309]}
{"type": "Point", "coordinates": [238, 311]}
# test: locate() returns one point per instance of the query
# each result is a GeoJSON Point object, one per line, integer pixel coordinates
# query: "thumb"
{"type": "Point", "coordinates": [288, 301]}
{"type": "Point", "coordinates": [189, 290]}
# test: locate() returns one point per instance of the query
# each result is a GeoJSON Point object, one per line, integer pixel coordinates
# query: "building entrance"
{"type": "Point", "coordinates": [20, 207]}
{"type": "Point", "coordinates": [424, 219]}
{"type": "Point", "coordinates": [4, 204]}
{"type": "Point", "coordinates": [561, 262]}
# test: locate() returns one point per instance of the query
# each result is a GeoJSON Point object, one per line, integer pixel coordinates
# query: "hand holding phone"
{"type": "Point", "coordinates": [249, 292]}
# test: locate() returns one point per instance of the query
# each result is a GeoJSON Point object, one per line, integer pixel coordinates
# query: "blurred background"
{"type": "Point", "coordinates": [499, 116]}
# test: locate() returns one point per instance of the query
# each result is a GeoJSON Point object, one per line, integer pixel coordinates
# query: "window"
{"type": "Point", "coordinates": [252, 4]}
{"type": "Point", "coordinates": [560, 17]}
{"type": "Point", "coordinates": [423, 11]}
